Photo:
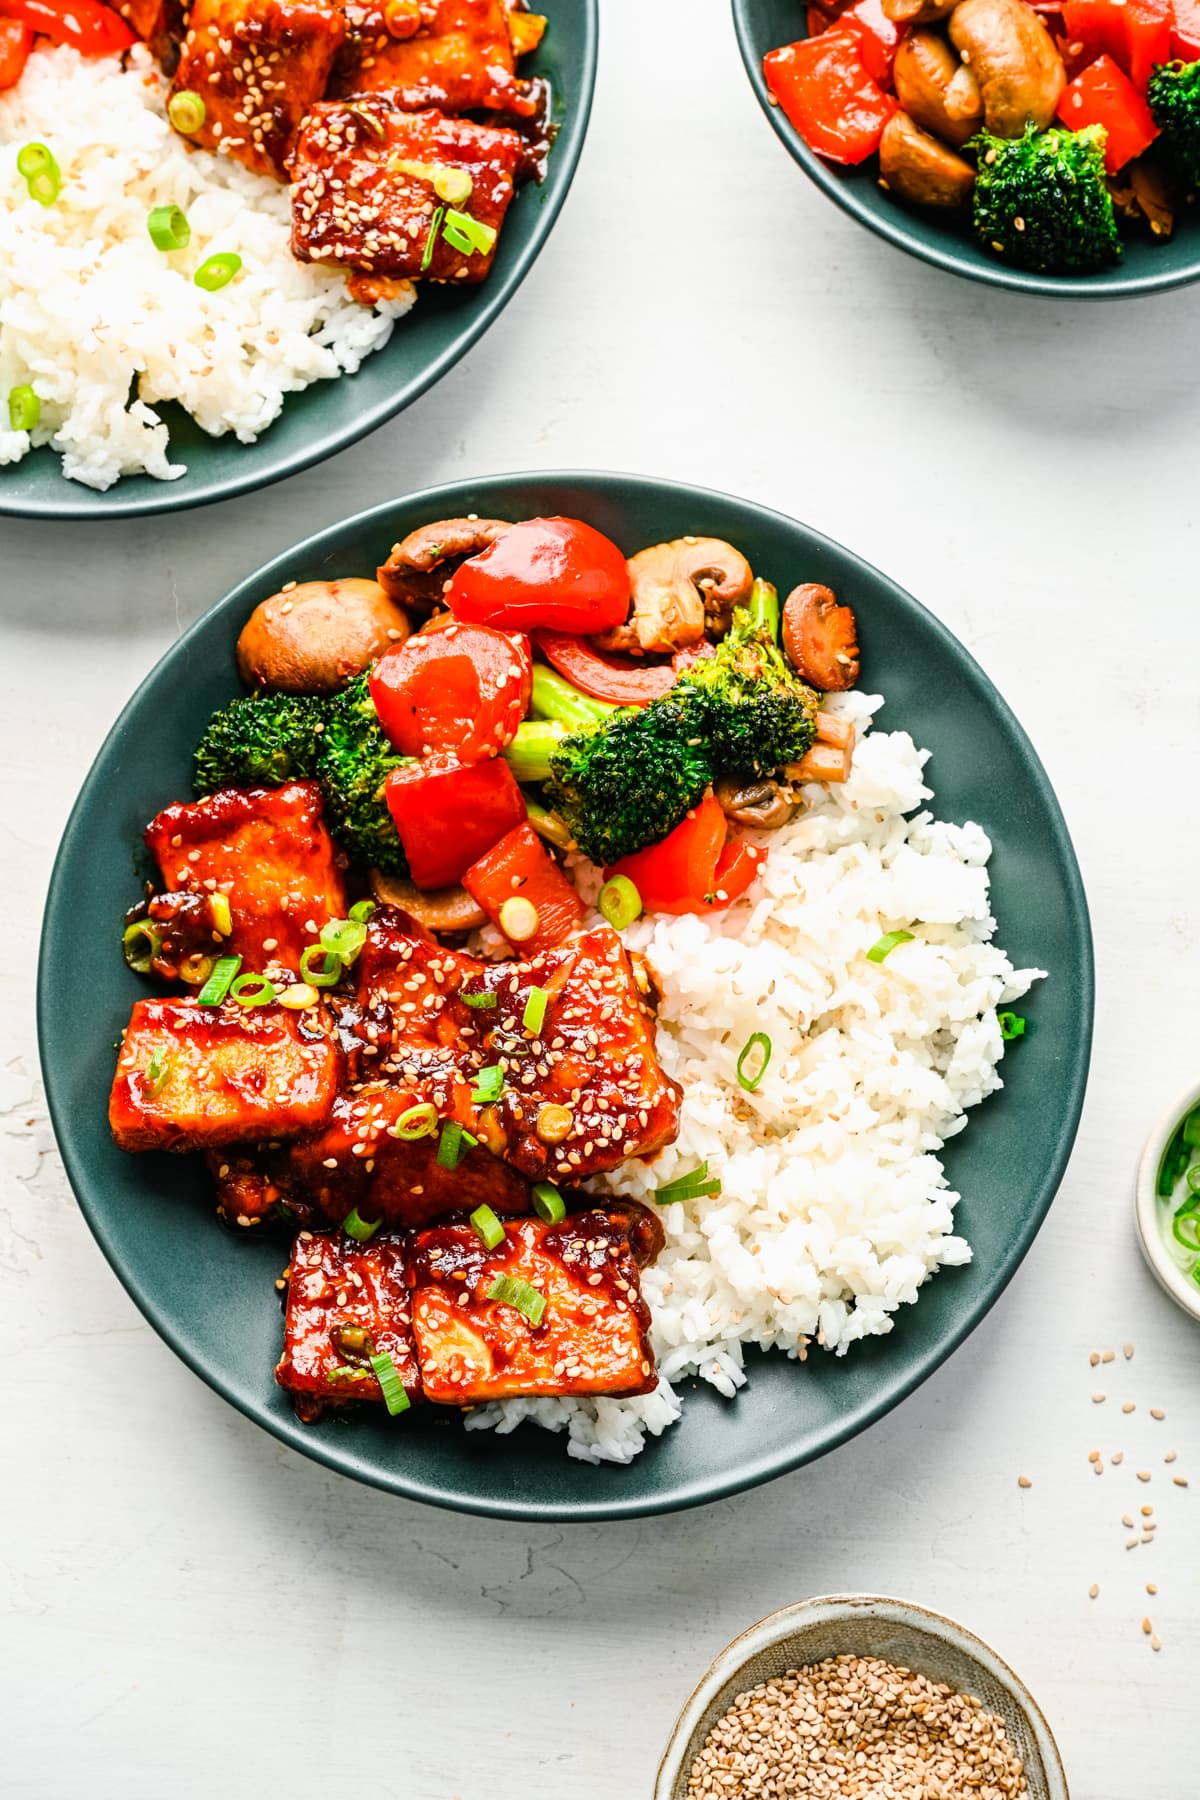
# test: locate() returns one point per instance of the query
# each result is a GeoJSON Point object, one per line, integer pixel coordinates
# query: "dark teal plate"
{"type": "Point", "coordinates": [1145, 268]}
{"type": "Point", "coordinates": [210, 1294]}
{"type": "Point", "coordinates": [327, 416]}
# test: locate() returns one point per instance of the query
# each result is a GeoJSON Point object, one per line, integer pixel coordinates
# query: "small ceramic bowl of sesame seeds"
{"type": "Point", "coordinates": [860, 1696]}
{"type": "Point", "coordinates": [1168, 1200]}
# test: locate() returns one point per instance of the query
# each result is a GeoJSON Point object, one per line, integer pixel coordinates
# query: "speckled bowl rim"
{"type": "Point", "coordinates": [778, 1626]}
{"type": "Point", "coordinates": [1166, 1272]}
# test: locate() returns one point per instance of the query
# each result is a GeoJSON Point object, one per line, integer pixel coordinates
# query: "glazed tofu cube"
{"type": "Point", "coordinates": [258, 65]}
{"type": "Point", "coordinates": [192, 1077]}
{"type": "Point", "coordinates": [590, 1338]}
{"type": "Point", "coordinates": [346, 1302]}
{"type": "Point", "coordinates": [365, 177]}
{"type": "Point", "coordinates": [268, 851]}
{"type": "Point", "coordinates": [358, 1161]}
{"type": "Point", "coordinates": [459, 57]}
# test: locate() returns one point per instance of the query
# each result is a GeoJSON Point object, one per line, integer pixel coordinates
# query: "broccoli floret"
{"type": "Point", "coordinates": [354, 761]}
{"type": "Point", "coordinates": [262, 739]}
{"type": "Point", "coordinates": [1174, 97]}
{"type": "Point", "coordinates": [757, 714]}
{"type": "Point", "coordinates": [633, 778]}
{"type": "Point", "coordinates": [1041, 200]}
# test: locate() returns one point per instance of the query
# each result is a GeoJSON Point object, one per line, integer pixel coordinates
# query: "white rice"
{"type": "Point", "coordinates": [834, 1207]}
{"type": "Point", "coordinates": [88, 306]}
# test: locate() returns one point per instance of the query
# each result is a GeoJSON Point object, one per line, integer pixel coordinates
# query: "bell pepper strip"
{"type": "Point", "coordinates": [1148, 39]}
{"type": "Point", "coordinates": [1102, 95]}
{"type": "Point", "coordinates": [1185, 30]}
{"type": "Point", "coordinates": [824, 87]}
{"type": "Point", "coordinates": [601, 675]}
{"type": "Point", "coordinates": [879, 37]}
{"type": "Point", "coordinates": [463, 691]}
{"type": "Point", "coordinates": [16, 41]}
{"type": "Point", "coordinates": [555, 572]}
{"type": "Point", "coordinates": [519, 867]}
{"type": "Point", "coordinates": [693, 869]}
{"type": "Point", "coordinates": [448, 813]}
{"type": "Point", "coordinates": [92, 29]}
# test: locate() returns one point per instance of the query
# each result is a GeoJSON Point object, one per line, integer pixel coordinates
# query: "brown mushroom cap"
{"type": "Point", "coordinates": [314, 638]}
{"type": "Point", "coordinates": [416, 572]}
{"type": "Point", "coordinates": [438, 909]}
{"type": "Point", "coordinates": [680, 589]}
{"type": "Point", "coordinates": [935, 88]}
{"type": "Point", "coordinates": [1014, 60]}
{"type": "Point", "coordinates": [918, 167]}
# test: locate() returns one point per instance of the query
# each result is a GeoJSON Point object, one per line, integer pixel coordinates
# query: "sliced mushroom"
{"type": "Point", "coordinates": [438, 909]}
{"type": "Point", "coordinates": [680, 590]}
{"type": "Point", "coordinates": [763, 804]}
{"type": "Point", "coordinates": [820, 637]}
{"type": "Point", "coordinates": [916, 167]}
{"type": "Point", "coordinates": [930, 86]}
{"type": "Point", "coordinates": [917, 12]}
{"type": "Point", "coordinates": [416, 572]}
{"type": "Point", "coordinates": [1013, 58]}
{"type": "Point", "coordinates": [314, 638]}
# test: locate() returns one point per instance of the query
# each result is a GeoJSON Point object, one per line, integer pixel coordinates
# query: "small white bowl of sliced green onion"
{"type": "Point", "coordinates": [1168, 1201]}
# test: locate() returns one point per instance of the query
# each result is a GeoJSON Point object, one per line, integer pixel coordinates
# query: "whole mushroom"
{"type": "Point", "coordinates": [420, 565]}
{"type": "Point", "coordinates": [935, 88]}
{"type": "Point", "coordinates": [315, 637]}
{"type": "Point", "coordinates": [1013, 58]}
{"type": "Point", "coordinates": [680, 590]}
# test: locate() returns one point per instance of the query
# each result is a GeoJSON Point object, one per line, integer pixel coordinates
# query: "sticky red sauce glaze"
{"type": "Point", "coordinates": [337, 1289]}
{"type": "Point", "coordinates": [461, 59]}
{"type": "Point", "coordinates": [268, 850]}
{"type": "Point", "coordinates": [353, 207]}
{"type": "Point", "coordinates": [224, 1075]}
{"type": "Point", "coordinates": [593, 1334]}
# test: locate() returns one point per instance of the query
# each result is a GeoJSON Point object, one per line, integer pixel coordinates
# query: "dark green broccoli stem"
{"type": "Point", "coordinates": [763, 608]}
{"type": "Point", "coordinates": [554, 698]}
{"type": "Point", "coordinates": [528, 754]}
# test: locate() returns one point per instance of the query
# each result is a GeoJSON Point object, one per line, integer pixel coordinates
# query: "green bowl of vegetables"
{"type": "Point", "coordinates": [1141, 257]}
{"type": "Point", "coordinates": [1168, 1201]}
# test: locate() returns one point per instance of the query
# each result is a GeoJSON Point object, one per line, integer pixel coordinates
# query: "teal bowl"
{"type": "Point", "coordinates": [1145, 268]}
{"type": "Point", "coordinates": [211, 1294]}
{"type": "Point", "coordinates": [329, 415]}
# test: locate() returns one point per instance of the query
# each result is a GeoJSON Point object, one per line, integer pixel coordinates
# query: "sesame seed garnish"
{"type": "Point", "coordinates": [1023, 1481]}
{"type": "Point", "coordinates": [1093, 1590]}
{"type": "Point", "coordinates": [1156, 1412]}
{"type": "Point", "coordinates": [1179, 1480]}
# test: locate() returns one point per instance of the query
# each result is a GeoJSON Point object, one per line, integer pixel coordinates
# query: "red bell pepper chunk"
{"type": "Point", "coordinates": [448, 813]}
{"type": "Point", "coordinates": [604, 677]}
{"type": "Point", "coordinates": [824, 87]}
{"type": "Point", "coordinates": [16, 41]}
{"type": "Point", "coordinates": [463, 690]}
{"type": "Point", "coordinates": [555, 572]}
{"type": "Point", "coordinates": [1102, 95]}
{"type": "Point", "coordinates": [1148, 39]}
{"type": "Point", "coordinates": [94, 30]}
{"type": "Point", "coordinates": [694, 869]}
{"type": "Point", "coordinates": [1097, 26]}
{"type": "Point", "coordinates": [521, 865]}
{"type": "Point", "coordinates": [879, 37]}
{"type": "Point", "coordinates": [1185, 30]}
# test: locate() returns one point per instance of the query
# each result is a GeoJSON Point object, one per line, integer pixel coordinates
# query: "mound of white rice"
{"type": "Point", "coordinates": [89, 307]}
{"type": "Point", "coordinates": [834, 1207]}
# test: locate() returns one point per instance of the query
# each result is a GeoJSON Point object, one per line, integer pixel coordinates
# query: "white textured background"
{"type": "Point", "coordinates": [192, 1612]}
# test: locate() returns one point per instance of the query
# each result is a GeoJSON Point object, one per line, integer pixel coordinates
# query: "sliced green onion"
{"type": "Point", "coordinates": [219, 982]}
{"type": "Point", "coordinates": [535, 1010]}
{"type": "Point", "coordinates": [1193, 1179]}
{"type": "Point", "coordinates": [360, 1229]}
{"type": "Point", "coordinates": [620, 902]}
{"type": "Point", "coordinates": [450, 184]}
{"type": "Point", "coordinates": [760, 1042]}
{"type": "Point", "coordinates": [1185, 1226]}
{"type": "Point", "coordinates": [510, 1290]}
{"type": "Point", "coordinates": [431, 240]}
{"type": "Point", "coordinates": [347, 1372]}
{"type": "Point", "coordinates": [157, 1070]}
{"type": "Point", "coordinates": [450, 1150]}
{"type": "Point", "coordinates": [1012, 1025]}
{"type": "Point", "coordinates": [43, 177]}
{"type": "Point", "coordinates": [695, 1185]}
{"type": "Point", "coordinates": [1191, 1129]}
{"type": "Point", "coordinates": [487, 1227]}
{"type": "Point", "coordinates": [479, 1002]}
{"type": "Point", "coordinates": [362, 910]}
{"type": "Point", "coordinates": [887, 943]}
{"type": "Point", "coordinates": [216, 272]}
{"type": "Point", "coordinates": [140, 945]}
{"type": "Point", "coordinates": [469, 236]}
{"type": "Point", "coordinates": [252, 990]}
{"type": "Point", "coordinates": [196, 969]}
{"type": "Point", "coordinates": [391, 1386]}
{"type": "Point", "coordinates": [548, 1203]}
{"type": "Point", "coordinates": [418, 1122]}
{"type": "Point", "coordinates": [1175, 1160]}
{"type": "Point", "coordinates": [488, 1083]}
{"type": "Point", "coordinates": [320, 967]}
{"type": "Point", "coordinates": [344, 938]}
{"type": "Point", "coordinates": [186, 111]}
{"type": "Point", "coordinates": [168, 228]}
{"type": "Point", "coordinates": [24, 408]}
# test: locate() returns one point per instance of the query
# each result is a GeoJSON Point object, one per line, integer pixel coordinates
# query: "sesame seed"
{"type": "Point", "coordinates": [1093, 1590]}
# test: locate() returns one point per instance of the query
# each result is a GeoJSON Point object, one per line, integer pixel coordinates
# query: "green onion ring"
{"type": "Point", "coordinates": [392, 1388]}
{"type": "Point", "coordinates": [168, 228]}
{"type": "Point", "coordinates": [186, 111]}
{"type": "Point", "coordinates": [488, 1085]}
{"type": "Point", "coordinates": [431, 240]}
{"type": "Point", "coordinates": [548, 1203]}
{"type": "Point", "coordinates": [330, 971]}
{"type": "Point", "coordinates": [344, 938]}
{"type": "Point", "coordinates": [418, 1122]}
{"type": "Point", "coordinates": [140, 960]}
{"type": "Point", "coordinates": [216, 272]}
{"type": "Point", "coordinates": [362, 911]}
{"type": "Point", "coordinates": [620, 902]}
{"type": "Point", "coordinates": [24, 408]}
{"type": "Point", "coordinates": [219, 982]}
{"type": "Point", "coordinates": [534, 1015]}
{"type": "Point", "coordinates": [886, 944]}
{"type": "Point", "coordinates": [479, 1002]}
{"type": "Point", "coordinates": [510, 1290]}
{"type": "Point", "coordinates": [42, 175]}
{"type": "Point", "coordinates": [252, 990]}
{"type": "Point", "coordinates": [360, 1229]}
{"type": "Point", "coordinates": [487, 1227]}
{"type": "Point", "coordinates": [757, 1041]}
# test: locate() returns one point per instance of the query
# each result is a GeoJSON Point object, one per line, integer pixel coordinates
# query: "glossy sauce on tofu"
{"type": "Point", "coordinates": [345, 1302]}
{"type": "Point", "coordinates": [461, 58]}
